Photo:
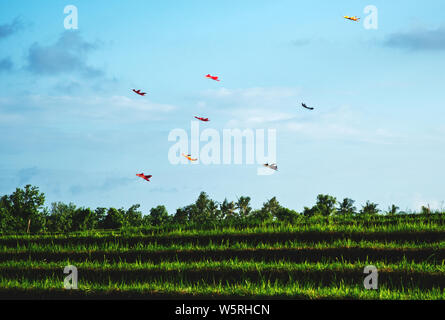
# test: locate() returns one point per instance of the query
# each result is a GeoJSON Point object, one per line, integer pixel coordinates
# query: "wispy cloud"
{"type": "Point", "coordinates": [252, 106]}
{"type": "Point", "coordinates": [107, 185]}
{"type": "Point", "coordinates": [64, 109]}
{"type": "Point", "coordinates": [9, 29]}
{"type": "Point", "coordinates": [250, 98]}
{"type": "Point", "coordinates": [25, 175]}
{"type": "Point", "coordinates": [301, 42]}
{"type": "Point", "coordinates": [6, 64]}
{"type": "Point", "coordinates": [68, 87]}
{"type": "Point", "coordinates": [258, 117]}
{"type": "Point", "coordinates": [343, 123]}
{"type": "Point", "coordinates": [279, 108]}
{"type": "Point", "coordinates": [68, 55]}
{"type": "Point", "coordinates": [419, 39]}
{"type": "Point", "coordinates": [164, 190]}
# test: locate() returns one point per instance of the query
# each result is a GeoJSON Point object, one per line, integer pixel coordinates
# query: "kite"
{"type": "Point", "coordinates": [202, 119]}
{"type": "Point", "coordinates": [272, 166]}
{"type": "Point", "coordinates": [189, 157]}
{"type": "Point", "coordinates": [212, 77]}
{"type": "Point", "coordinates": [305, 106]}
{"type": "Point", "coordinates": [352, 18]}
{"type": "Point", "coordinates": [143, 176]}
{"type": "Point", "coordinates": [139, 92]}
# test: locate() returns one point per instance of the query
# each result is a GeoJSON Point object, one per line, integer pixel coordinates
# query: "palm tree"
{"type": "Point", "coordinates": [369, 208]}
{"type": "Point", "coordinates": [346, 207]}
{"type": "Point", "coordinates": [243, 206]}
{"type": "Point", "coordinates": [392, 210]}
{"type": "Point", "coordinates": [227, 209]}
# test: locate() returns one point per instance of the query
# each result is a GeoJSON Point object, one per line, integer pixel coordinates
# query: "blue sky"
{"type": "Point", "coordinates": [70, 124]}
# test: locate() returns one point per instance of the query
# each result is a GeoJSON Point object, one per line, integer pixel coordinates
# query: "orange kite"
{"type": "Point", "coordinates": [189, 157]}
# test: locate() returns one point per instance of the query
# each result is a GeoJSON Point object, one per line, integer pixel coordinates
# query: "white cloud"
{"type": "Point", "coordinates": [8, 118]}
{"type": "Point", "coordinates": [252, 97]}
{"type": "Point", "coordinates": [62, 108]}
{"type": "Point", "coordinates": [201, 104]}
{"type": "Point", "coordinates": [343, 123]}
{"type": "Point", "coordinates": [280, 108]}
{"type": "Point", "coordinates": [252, 106]}
{"type": "Point", "coordinates": [253, 118]}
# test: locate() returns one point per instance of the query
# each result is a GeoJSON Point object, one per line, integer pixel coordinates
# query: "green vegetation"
{"type": "Point", "coordinates": [23, 212]}
{"type": "Point", "coordinates": [219, 250]}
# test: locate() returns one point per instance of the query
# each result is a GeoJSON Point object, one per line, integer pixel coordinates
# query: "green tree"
{"type": "Point", "coordinates": [346, 207]}
{"type": "Point", "coordinates": [369, 208]}
{"type": "Point", "coordinates": [227, 209]}
{"type": "Point", "coordinates": [269, 210]}
{"type": "Point", "coordinates": [181, 216]}
{"type": "Point", "coordinates": [114, 219]}
{"type": "Point", "coordinates": [133, 217]}
{"type": "Point", "coordinates": [100, 214]}
{"type": "Point", "coordinates": [243, 206]}
{"type": "Point", "coordinates": [8, 223]}
{"type": "Point", "coordinates": [204, 210]}
{"type": "Point", "coordinates": [202, 206]}
{"type": "Point", "coordinates": [61, 217]}
{"type": "Point", "coordinates": [25, 205]}
{"type": "Point", "coordinates": [325, 205]}
{"type": "Point", "coordinates": [392, 210]}
{"type": "Point", "coordinates": [286, 215]}
{"type": "Point", "coordinates": [84, 219]}
{"type": "Point", "coordinates": [309, 212]}
{"type": "Point", "coordinates": [158, 215]}
{"type": "Point", "coordinates": [213, 208]}
{"type": "Point", "coordinates": [425, 210]}
{"type": "Point", "coordinates": [191, 212]}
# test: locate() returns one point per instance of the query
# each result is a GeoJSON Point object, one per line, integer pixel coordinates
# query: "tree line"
{"type": "Point", "coordinates": [24, 211]}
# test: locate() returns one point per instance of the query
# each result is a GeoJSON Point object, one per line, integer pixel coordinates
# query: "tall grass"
{"type": "Point", "coordinates": [221, 290]}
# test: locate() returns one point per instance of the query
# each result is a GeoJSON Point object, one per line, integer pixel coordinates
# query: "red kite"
{"type": "Point", "coordinates": [352, 18]}
{"type": "Point", "coordinates": [212, 77]}
{"type": "Point", "coordinates": [189, 157]}
{"type": "Point", "coordinates": [139, 92]}
{"type": "Point", "coordinates": [202, 119]}
{"type": "Point", "coordinates": [143, 176]}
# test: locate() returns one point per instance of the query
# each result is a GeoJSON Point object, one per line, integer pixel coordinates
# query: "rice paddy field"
{"type": "Point", "coordinates": [319, 260]}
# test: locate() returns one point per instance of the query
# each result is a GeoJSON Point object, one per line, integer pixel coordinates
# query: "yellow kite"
{"type": "Point", "coordinates": [352, 18]}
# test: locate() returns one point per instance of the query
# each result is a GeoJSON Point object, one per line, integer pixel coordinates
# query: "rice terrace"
{"type": "Point", "coordinates": [216, 250]}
